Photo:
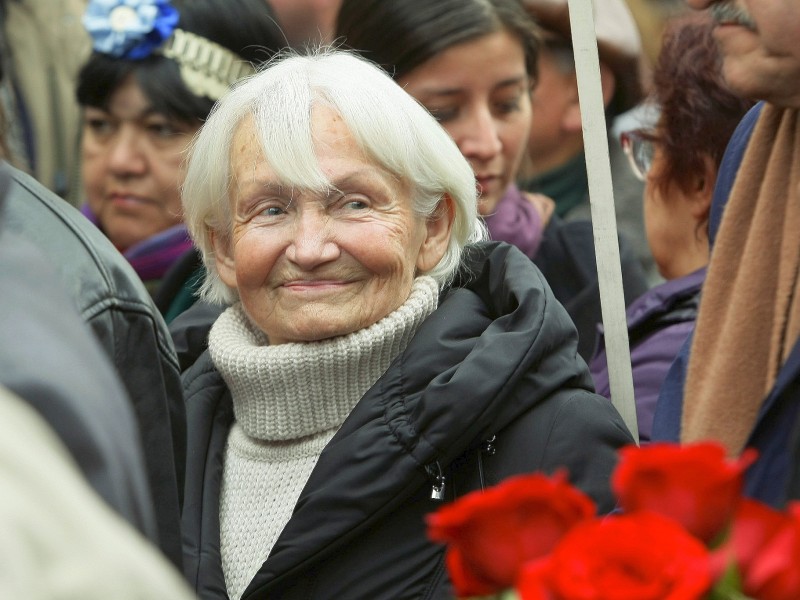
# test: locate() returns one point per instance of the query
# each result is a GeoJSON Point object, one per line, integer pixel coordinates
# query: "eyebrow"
{"type": "Point", "coordinates": [339, 184]}
{"type": "Point", "coordinates": [431, 91]}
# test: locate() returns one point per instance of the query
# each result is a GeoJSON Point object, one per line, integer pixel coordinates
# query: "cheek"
{"type": "Point", "coordinates": [170, 178]}
{"type": "Point", "coordinates": [389, 251]}
{"type": "Point", "coordinates": [92, 171]}
{"type": "Point", "coordinates": [254, 259]}
{"type": "Point", "coordinates": [514, 137]}
{"type": "Point", "coordinates": [649, 201]}
{"type": "Point", "coordinates": [656, 226]}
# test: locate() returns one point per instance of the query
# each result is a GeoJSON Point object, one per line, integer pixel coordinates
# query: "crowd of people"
{"type": "Point", "coordinates": [281, 277]}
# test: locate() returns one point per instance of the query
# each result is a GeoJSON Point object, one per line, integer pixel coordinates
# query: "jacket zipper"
{"type": "Point", "coordinates": [436, 476]}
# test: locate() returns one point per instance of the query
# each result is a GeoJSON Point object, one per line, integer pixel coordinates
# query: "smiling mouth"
{"type": "Point", "coordinates": [315, 285]}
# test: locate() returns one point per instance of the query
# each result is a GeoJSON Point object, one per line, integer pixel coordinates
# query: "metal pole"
{"type": "Point", "coordinates": [604, 224]}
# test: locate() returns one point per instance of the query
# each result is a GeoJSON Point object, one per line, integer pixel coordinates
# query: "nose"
{"type": "Point", "coordinates": [312, 242]}
{"type": "Point", "coordinates": [126, 156]}
{"type": "Point", "coordinates": [480, 139]}
{"type": "Point", "coordinates": [700, 4]}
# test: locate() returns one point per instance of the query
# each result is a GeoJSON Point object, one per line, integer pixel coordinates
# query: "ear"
{"type": "Point", "coordinates": [223, 257]}
{"type": "Point", "coordinates": [703, 191]}
{"type": "Point", "coordinates": [438, 228]}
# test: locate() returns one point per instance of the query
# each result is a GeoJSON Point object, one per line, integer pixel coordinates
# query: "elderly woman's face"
{"type": "Point", "coordinates": [310, 266]}
{"type": "Point", "coordinates": [479, 92]}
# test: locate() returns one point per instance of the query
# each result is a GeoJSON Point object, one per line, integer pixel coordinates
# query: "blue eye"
{"type": "Point", "coordinates": [356, 204]}
{"type": "Point", "coordinates": [273, 211]}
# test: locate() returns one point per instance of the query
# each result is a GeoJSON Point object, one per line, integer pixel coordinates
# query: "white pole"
{"type": "Point", "coordinates": [604, 224]}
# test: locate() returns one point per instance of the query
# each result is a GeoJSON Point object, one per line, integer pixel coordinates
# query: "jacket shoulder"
{"type": "Point", "coordinates": [93, 271]}
{"type": "Point", "coordinates": [575, 430]}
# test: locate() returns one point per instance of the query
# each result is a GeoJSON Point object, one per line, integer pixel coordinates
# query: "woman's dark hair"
{"type": "Point", "coordinates": [698, 111]}
{"type": "Point", "coordinates": [247, 27]}
{"type": "Point", "coordinates": [402, 35]}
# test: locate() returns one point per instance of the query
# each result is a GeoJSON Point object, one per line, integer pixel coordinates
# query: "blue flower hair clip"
{"type": "Point", "coordinates": [130, 29]}
{"type": "Point", "coordinates": [136, 29]}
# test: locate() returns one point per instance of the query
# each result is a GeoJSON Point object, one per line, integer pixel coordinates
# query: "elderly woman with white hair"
{"type": "Point", "coordinates": [377, 357]}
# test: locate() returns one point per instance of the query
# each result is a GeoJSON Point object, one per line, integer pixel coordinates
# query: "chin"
{"type": "Point", "coordinates": [487, 205]}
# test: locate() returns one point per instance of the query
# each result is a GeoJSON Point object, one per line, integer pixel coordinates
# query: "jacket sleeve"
{"type": "Point", "coordinates": [146, 362]}
{"type": "Point", "coordinates": [574, 430]}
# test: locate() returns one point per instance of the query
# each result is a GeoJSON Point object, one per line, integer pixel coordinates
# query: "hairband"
{"type": "Point", "coordinates": [136, 29]}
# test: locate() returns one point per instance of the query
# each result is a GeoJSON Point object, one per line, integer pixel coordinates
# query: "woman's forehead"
{"type": "Point", "coordinates": [332, 161]}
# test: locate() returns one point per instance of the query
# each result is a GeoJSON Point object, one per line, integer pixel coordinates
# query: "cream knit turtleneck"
{"type": "Point", "coordinates": [288, 401]}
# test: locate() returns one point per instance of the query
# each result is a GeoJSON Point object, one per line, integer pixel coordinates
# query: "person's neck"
{"type": "Point", "coordinates": [567, 185]}
{"type": "Point", "coordinates": [687, 258]}
{"type": "Point", "coordinates": [540, 162]}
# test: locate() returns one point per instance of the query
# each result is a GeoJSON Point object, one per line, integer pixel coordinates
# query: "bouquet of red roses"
{"type": "Point", "coordinates": [683, 532]}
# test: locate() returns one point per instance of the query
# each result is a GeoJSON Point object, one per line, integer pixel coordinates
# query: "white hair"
{"type": "Point", "coordinates": [390, 127]}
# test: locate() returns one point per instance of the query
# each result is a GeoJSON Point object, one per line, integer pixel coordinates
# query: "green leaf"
{"type": "Point", "coordinates": [729, 586]}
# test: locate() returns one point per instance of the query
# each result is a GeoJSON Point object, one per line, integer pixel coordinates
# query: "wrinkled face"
{"type": "Point", "coordinates": [479, 92]}
{"type": "Point", "coordinates": [758, 41]}
{"type": "Point", "coordinates": [310, 266]}
{"type": "Point", "coordinates": [131, 166]}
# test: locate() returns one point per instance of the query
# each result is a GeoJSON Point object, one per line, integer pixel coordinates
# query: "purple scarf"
{"type": "Point", "coordinates": [516, 221]}
{"type": "Point", "coordinates": [151, 258]}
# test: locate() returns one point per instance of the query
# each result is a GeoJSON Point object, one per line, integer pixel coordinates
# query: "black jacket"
{"type": "Point", "coordinates": [49, 358]}
{"type": "Point", "coordinates": [497, 358]}
{"type": "Point", "coordinates": [568, 262]}
{"type": "Point", "coordinates": [110, 297]}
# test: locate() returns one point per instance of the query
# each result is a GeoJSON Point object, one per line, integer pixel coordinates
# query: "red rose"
{"type": "Point", "coordinates": [766, 546]}
{"type": "Point", "coordinates": [491, 534]}
{"type": "Point", "coordinates": [641, 556]}
{"type": "Point", "coordinates": [693, 484]}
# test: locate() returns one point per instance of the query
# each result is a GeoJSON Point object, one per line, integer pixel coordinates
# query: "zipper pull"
{"type": "Point", "coordinates": [436, 476]}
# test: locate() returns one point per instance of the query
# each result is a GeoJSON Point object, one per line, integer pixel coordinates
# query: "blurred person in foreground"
{"type": "Point", "coordinates": [59, 540]}
{"type": "Point", "coordinates": [110, 298]}
{"type": "Point", "coordinates": [555, 162]}
{"type": "Point", "coordinates": [376, 358]}
{"type": "Point", "coordinates": [740, 385]}
{"type": "Point", "coordinates": [76, 512]}
{"type": "Point", "coordinates": [472, 64]}
{"type": "Point", "coordinates": [156, 69]}
{"type": "Point", "coordinates": [678, 160]}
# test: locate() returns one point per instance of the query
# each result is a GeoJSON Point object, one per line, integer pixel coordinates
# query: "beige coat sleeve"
{"type": "Point", "coordinates": [58, 539]}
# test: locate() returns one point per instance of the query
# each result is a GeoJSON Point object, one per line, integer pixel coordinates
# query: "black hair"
{"type": "Point", "coordinates": [247, 27]}
{"type": "Point", "coordinates": [402, 35]}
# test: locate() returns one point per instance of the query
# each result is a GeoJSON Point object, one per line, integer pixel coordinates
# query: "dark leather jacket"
{"type": "Point", "coordinates": [497, 358]}
{"type": "Point", "coordinates": [112, 300]}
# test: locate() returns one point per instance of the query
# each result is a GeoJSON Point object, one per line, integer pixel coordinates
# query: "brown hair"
{"type": "Point", "coordinates": [698, 111]}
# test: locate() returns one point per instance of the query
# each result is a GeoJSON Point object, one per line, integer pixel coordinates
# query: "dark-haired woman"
{"type": "Point", "coordinates": [678, 160]}
{"type": "Point", "coordinates": [156, 71]}
{"type": "Point", "coordinates": [472, 64]}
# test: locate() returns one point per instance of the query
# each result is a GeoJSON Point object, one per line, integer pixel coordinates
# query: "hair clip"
{"type": "Point", "coordinates": [207, 68]}
{"type": "Point", "coordinates": [136, 29]}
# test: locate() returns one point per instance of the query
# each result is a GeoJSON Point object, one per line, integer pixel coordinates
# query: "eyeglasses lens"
{"type": "Point", "coordinates": [639, 151]}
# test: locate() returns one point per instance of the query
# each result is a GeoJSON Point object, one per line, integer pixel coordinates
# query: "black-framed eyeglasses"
{"type": "Point", "coordinates": [640, 150]}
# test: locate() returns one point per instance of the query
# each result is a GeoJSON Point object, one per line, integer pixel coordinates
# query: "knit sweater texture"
{"type": "Point", "coordinates": [289, 400]}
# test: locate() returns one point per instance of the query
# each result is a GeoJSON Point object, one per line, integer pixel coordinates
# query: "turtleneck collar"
{"type": "Point", "coordinates": [294, 390]}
